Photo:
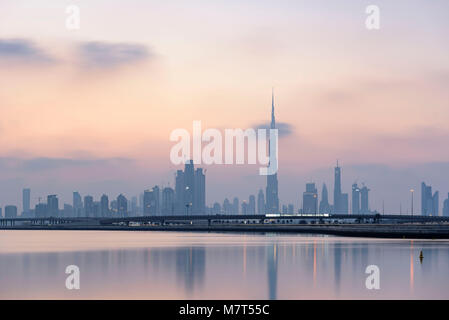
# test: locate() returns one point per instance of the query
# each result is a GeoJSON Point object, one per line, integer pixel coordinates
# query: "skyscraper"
{"type": "Point", "coordinates": [151, 201]}
{"type": "Point", "coordinates": [310, 199]}
{"type": "Point", "coordinates": [235, 206]}
{"type": "Point", "coordinates": [429, 202]}
{"type": "Point", "coordinates": [26, 200]}
{"type": "Point", "coordinates": [10, 212]}
{"type": "Point", "coordinates": [88, 206]}
{"type": "Point", "coordinates": [252, 205]}
{"type": "Point", "coordinates": [179, 192]}
{"type": "Point", "coordinates": [338, 203]}
{"type": "Point", "coordinates": [77, 204]}
{"type": "Point", "coordinates": [364, 206]}
{"type": "Point", "coordinates": [190, 190]}
{"type": "Point", "coordinates": [199, 192]}
{"type": "Point", "coordinates": [340, 199]}
{"type": "Point", "coordinates": [261, 202]}
{"type": "Point", "coordinates": [227, 207]}
{"type": "Point", "coordinates": [147, 202]}
{"type": "Point", "coordinates": [272, 197]}
{"type": "Point", "coordinates": [324, 203]}
{"type": "Point", "coordinates": [245, 208]}
{"type": "Point", "coordinates": [168, 201]}
{"type": "Point", "coordinates": [104, 206]}
{"type": "Point", "coordinates": [156, 206]}
{"type": "Point", "coordinates": [355, 208]}
{"type": "Point", "coordinates": [52, 206]}
{"type": "Point", "coordinates": [122, 205]}
{"type": "Point", "coordinates": [446, 207]}
{"type": "Point", "coordinates": [189, 181]}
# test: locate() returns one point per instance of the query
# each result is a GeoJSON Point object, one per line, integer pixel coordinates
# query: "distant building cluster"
{"type": "Point", "coordinates": [189, 198]}
{"type": "Point", "coordinates": [359, 205]}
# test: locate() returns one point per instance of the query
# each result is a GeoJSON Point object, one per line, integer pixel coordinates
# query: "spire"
{"type": "Point", "coordinates": [273, 120]}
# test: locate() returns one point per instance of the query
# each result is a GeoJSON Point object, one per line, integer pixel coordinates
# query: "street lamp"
{"type": "Point", "coordinates": [412, 191]}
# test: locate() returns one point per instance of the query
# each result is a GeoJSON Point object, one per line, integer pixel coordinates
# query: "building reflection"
{"type": "Point", "coordinates": [412, 273]}
{"type": "Point", "coordinates": [272, 267]}
{"type": "Point", "coordinates": [190, 266]}
{"type": "Point", "coordinates": [337, 266]}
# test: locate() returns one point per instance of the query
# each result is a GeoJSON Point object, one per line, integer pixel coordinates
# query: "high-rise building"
{"type": "Point", "coordinates": [310, 199]}
{"type": "Point", "coordinates": [68, 210]}
{"type": "Point", "coordinates": [168, 201]}
{"type": "Point", "coordinates": [364, 203]}
{"type": "Point", "coordinates": [355, 208]}
{"type": "Point", "coordinates": [26, 200]}
{"type": "Point", "coordinates": [122, 205]}
{"type": "Point", "coordinates": [199, 192]}
{"type": "Point", "coordinates": [179, 192]}
{"type": "Point", "coordinates": [324, 203]}
{"type": "Point", "coordinates": [344, 203]}
{"type": "Point", "coordinates": [291, 208]}
{"type": "Point", "coordinates": [284, 209]}
{"type": "Point", "coordinates": [429, 202]}
{"type": "Point", "coordinates": [10, 212]}
{"type": "Point", "coordinates": [189, 180]}
{"type": "Point", "coordinates": [261, 202]}
{"type": "Point", "coordinates": [446, 207]}
{"type": "Point", "coordinates": [156, 205]}
{"type": "Point", "coordinates": [52, 206]}
{"type": "Point", "coordinates": [272, 197]}
{"type": "Point", "coordinates": [245, 208]}
{"type": "Point", "coordinates": [235, 206]}
{"type": "Point", "coordinates": [104, 206]}
{"type": "Point", "coordinates": [96, 209]}
{"type": "Point", "coordinates": [134, 206]}
{"type": "Point", "coordinates": [338, 203]}
{"type": "Point", "coordinates": [252, 205]}
{"type": "Point", "coordinates": [147, 196]}
{"type": "Point", "coordinates": [190, 190]}
{"type": "Point", "coordinates": [216, 209]}
{"type": "Point", "coordinates": [40, 210]}
{"type": "Point", "coordinates": [227, 207]}
{"type": "Point", "coordinates": [88, 206]}
{"type": "Point", "coordinates": [77, 204]}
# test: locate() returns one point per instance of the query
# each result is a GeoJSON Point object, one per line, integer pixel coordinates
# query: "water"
{"type": "Point", "coordinates": [170, 265]}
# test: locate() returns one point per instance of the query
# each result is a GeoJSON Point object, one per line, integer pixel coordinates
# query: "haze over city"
{"type": "Point", "coordinates": [92, 110]}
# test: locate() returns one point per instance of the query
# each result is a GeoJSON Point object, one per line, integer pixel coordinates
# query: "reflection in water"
{"type": "Point", "coordinates": [337, 267]}
{"type": "Point", "coordinates": [190, 266]}
{"type": "Point", "coordinates": [272, 258]}
{"type": "Point", "coordinates": [412, 272]}
{"type": "Point", "coordinates": [153, 265]}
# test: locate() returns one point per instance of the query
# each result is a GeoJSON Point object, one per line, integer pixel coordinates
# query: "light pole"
{"type": "Point", "coordinates": [412, 191]}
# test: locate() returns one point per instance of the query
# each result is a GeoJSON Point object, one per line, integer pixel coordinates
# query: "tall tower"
{"type": "Point", "coordinates": [337, 191]}
{"type": "Point", "coordinates": [272, 180]}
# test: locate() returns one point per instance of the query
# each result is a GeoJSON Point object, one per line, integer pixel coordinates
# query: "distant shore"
{"type": "Point", "coordinates": [407, 231]}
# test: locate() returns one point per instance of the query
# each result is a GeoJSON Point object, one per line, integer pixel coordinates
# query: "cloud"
{"type": "Point", "coordinates": [45, 163]}
{"type": "Point", "coordinates": [22, 50]}
{"type": "Point", "coordinates": [108, 55]}
{"type": "Point", "coordinates": [284, 129]}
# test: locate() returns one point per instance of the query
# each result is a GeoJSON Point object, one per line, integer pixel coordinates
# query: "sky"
{"type": "Point", "coordinates": [92, 109]}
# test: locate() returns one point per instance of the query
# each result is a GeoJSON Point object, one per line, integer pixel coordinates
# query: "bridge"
{"type": "Point", "coordinates": [220, 219]}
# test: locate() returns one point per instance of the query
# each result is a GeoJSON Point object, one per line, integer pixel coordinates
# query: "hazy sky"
{"type": "Point", "coordinates": [92, 109]}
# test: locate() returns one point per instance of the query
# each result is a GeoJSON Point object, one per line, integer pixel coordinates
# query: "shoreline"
{"type": "Point", "coordinates": [387, 231]}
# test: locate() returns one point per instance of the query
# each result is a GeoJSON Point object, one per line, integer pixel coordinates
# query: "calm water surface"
{"type": "Point", "coordinates": [170, 265]}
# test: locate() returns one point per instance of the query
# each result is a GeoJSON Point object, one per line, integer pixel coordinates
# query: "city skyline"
{"type": "Point", "coordinates": [98, 120]}
{"type": "Point", "coordinates": [189, 197]}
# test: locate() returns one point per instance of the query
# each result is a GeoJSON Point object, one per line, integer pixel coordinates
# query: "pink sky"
{"type": "Point", "coordinates": [137, 70]}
